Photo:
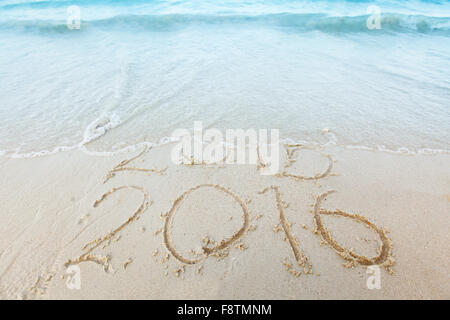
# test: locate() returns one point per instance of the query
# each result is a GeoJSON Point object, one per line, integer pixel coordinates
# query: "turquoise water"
{"type": "Point", "coordinates": [137, 70]}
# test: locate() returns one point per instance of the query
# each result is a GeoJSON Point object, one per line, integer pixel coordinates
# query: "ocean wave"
{"type": "Point", "coordinates": [390, 22]}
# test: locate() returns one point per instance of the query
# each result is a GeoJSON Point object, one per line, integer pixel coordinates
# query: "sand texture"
{"type": "Point", "coordinates": [139, 226]}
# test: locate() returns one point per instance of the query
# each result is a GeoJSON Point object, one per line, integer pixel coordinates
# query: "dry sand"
{"type": "Point", "coordinates": [150, 229]}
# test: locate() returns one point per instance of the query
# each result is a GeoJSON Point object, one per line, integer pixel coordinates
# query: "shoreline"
{"type": "Point", "coordinates": [82, 146]}
{"type": "Point", "coordinates": [49, 215]}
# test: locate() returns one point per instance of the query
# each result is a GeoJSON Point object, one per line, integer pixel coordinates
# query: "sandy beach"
{"type": "Point", "coordinates": [136, 226]}
{"type": "Point", "coordinates": [208, 149]}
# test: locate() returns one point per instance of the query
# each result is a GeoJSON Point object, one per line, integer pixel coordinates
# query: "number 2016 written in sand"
{"type": "Point", "coordinates": [220, 249]}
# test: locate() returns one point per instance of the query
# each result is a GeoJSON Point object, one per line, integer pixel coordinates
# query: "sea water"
{"type": "Point", "coordinates": [132, 72]}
